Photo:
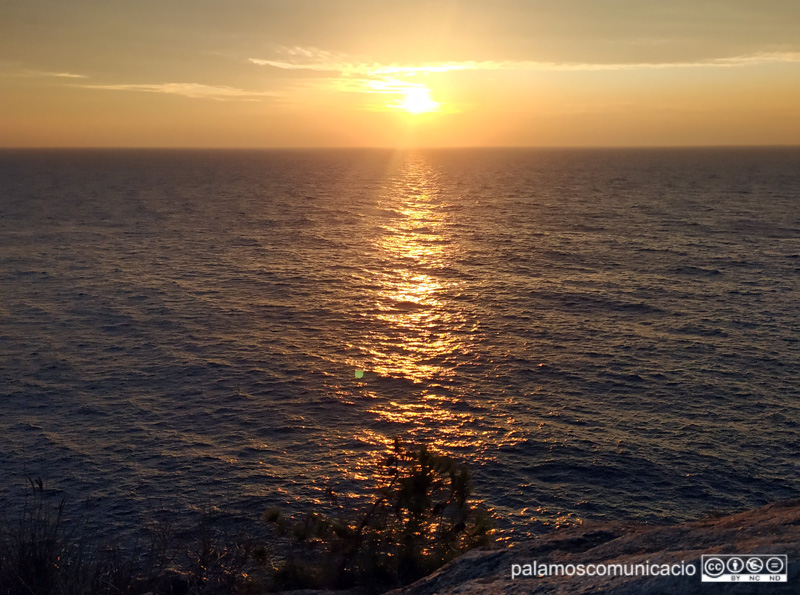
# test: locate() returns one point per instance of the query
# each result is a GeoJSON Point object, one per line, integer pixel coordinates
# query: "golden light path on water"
{"type": "Point", "coordinates": [417, 332]}
{"type": "Point", "coordinates": [409, 299]}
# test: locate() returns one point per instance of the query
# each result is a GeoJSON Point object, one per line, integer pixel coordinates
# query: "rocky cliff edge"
{"type": "Point", "coordinates": [772, 529]}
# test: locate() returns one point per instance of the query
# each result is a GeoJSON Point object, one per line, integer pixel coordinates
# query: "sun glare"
{"type": "Point", "coordinates": [418, 100]}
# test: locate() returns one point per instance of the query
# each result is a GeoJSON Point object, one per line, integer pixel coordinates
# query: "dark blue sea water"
{"type": "Point", "coordinates": [597, 333]}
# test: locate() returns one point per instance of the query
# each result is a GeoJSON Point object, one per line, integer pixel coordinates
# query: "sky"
{"type": "Point", "coordinates": [364, 73]}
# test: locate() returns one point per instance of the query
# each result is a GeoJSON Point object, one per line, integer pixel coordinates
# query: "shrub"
{"type": "Point", "coordinates": [39, 556]}
{"type": "Point", "coordinates": [421, 516]}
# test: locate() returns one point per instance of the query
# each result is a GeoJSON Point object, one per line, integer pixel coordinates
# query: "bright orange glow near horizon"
{"type": "Point", "coordinates": [355, 72]}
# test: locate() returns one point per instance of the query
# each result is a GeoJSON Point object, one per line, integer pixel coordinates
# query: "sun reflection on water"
{"type": "Point", "coordinates": [413, 323]}
{"type": "Point", "coordinates": [418, 351]}
{"type": "Point", "coordinates": [416, 334]}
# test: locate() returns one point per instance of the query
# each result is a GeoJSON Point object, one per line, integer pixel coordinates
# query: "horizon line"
{"type": "Point", "coordinates": [386, 147]}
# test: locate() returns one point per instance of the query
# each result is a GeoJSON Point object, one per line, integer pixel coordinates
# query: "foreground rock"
{"type": "Point", "coordinates": [773, 529]}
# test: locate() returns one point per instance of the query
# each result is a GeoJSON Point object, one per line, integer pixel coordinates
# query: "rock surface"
{"type": "Point", "coordinates": [773, 529]}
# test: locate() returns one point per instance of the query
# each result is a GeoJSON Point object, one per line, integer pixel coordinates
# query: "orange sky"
{"type": "Point", "coordinates": [301, 73]}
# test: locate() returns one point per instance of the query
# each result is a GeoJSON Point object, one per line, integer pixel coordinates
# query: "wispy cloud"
{"type": "Point", "coordinates": [320, 61]}
{"type": "Point", "coordinates": [15, 72]}
{"type": "Point", "coordinates": [194, 90]}
{"type": "Point", "coordinates": [732, 62]}
{"type": "Point", "coordinates": [321, 66]}
{"type": "Point", "coordinates": [66, 75]}
{"type": "Point", "coordinates": [349, 74]}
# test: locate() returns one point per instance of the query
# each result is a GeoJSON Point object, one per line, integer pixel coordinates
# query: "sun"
{"type": "Point", "coordinates": [418, 100]}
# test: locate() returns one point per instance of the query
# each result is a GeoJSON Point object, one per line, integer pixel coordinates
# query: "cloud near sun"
{"type": "Point", "coordinates": [405, 81]}
{"type": "Point", "coordinates": [408, 83]}
{"type": "Point", "coordinates": [321, 61]}
{"type": "Point", "coordinates": [346, 73]}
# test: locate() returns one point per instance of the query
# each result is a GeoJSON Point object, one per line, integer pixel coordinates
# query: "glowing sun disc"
{"type": "Point", "coordinates": [418, 100]}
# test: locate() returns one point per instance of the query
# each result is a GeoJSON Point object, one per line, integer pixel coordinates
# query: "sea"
{"type": "Point", "coordinates": [597, 334]}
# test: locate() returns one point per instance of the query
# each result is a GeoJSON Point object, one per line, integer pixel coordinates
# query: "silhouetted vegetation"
{"type": "Point", "coordinates": [38, 555]}
{"type": "Point", "coordinates": [420, 516]}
